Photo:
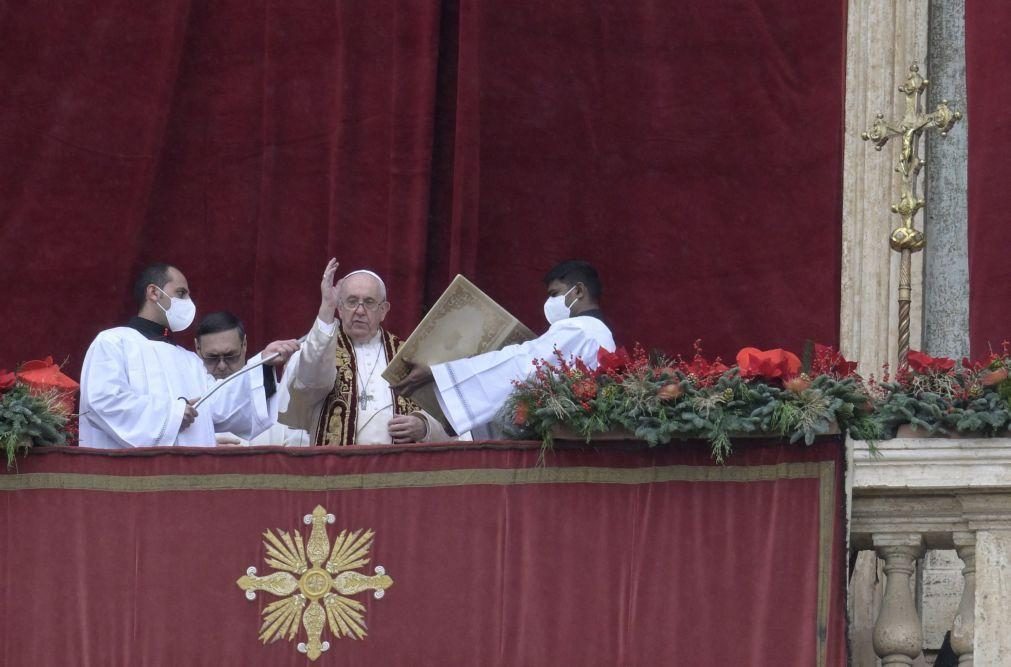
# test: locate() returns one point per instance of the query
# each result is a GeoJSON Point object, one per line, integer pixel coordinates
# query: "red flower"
{"type": "Point", "coordinates": [612, 362]}
{"type": "Point", "coordinates": [702, 372]}
{"type": "Point", "coordinates": [924, 363]}
{"type": "Point", "coordinates": [43, 375]}
{"type": "Point", "coordinates": [7, 380]}
{"type": "Point", "coordinates": [769, 364]}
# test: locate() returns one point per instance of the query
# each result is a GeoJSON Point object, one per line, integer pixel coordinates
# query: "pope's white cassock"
{"type": "Point", "coordinates": [471, 391]}
{"type": "Point", "coordinates": [132, 392]}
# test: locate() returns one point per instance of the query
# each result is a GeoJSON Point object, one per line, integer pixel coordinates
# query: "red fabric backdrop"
{"type": "Point", "coordinates": [987, 34]}
{"type": "Point", "coordinates": [635, 557]}
{"type": "Point", "coordinates": [692, 150]}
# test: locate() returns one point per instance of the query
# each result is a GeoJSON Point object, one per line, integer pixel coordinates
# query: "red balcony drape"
{"type": "Point", "coordinates": [610, 555]}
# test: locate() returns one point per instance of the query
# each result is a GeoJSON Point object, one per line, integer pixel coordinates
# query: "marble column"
{"type": "Point", "coordinates": [946, 257]}
{"type": "Point", "coordinates": [993, 598]}
{"type": "Point", "coordinates": [883, 39]}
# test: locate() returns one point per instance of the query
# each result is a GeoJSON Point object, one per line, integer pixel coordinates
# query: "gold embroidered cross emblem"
{"type": "Point", "coordinates": [315, 587]}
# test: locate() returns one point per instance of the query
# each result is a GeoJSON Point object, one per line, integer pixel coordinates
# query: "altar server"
{"type": "Point", "coordinates": [471, 391]}
{"type": "Point", "coordinates": [138, 388]}
{"type": "Point", "coordinates": [220, 342]}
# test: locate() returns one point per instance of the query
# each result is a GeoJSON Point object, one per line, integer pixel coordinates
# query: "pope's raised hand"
{"type": "Point", "coordinates": [283, 348]}
{"type": "Point", "coordinates": [329, 291]}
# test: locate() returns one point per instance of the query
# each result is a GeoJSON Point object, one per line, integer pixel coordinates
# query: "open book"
{"type": "Point", "coordinates": [463, 322]}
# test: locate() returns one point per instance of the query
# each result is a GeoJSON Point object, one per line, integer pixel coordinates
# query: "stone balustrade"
{"type": "Point", "coordinates": [917, 494]}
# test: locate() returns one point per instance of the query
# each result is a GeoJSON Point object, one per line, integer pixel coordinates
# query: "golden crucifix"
{"type": "Point", "coordinates": [906, 239]}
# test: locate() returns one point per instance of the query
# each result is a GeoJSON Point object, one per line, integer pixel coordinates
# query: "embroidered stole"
{"type": "Point", "coordinates": [338, 421]}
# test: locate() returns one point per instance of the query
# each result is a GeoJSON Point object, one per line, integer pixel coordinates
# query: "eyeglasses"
{"type": "Point", "coordinates": [369, 304]}
{"type": "Point", "coordinates": [227, 359]}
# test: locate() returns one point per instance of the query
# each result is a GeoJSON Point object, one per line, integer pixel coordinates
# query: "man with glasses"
{"type": "Point", "coordinates": [139, 389]}
{"type": "Point", "coordinates": [221, 344]}
{"type": "Point", "coordinates": [333, 387]}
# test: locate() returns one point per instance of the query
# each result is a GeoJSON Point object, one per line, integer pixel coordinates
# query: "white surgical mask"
{"type": "Point", "coordinates": [555, 308]}
{"type": "Point", "coordinates": [180, 312]}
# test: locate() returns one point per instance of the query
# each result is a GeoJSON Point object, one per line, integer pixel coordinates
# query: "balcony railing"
{"type": "Point", "coordinates": [918, 494]}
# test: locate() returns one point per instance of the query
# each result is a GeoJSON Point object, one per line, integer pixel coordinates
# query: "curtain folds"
{"type": "Point", "coordinates": [988, 88]}
{"type": "Point", "coordinates": [692, 150]}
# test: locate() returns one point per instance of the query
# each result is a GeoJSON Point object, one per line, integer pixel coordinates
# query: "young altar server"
{"type": "Point", "coordinates": [138, 388]}
{"type": "Point", "coordinates": [471, 391]}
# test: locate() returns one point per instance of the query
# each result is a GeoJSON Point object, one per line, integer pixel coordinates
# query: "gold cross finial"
{"type": "Point", "coordinates": [905, 238]}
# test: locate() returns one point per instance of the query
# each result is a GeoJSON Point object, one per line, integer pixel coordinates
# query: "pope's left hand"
{"type": "Point", "coordinates": [407, 428]}
{"type": "Point", "coordinates": [418, 377]}
{"type": "Point", "coordinates": [284, 350]}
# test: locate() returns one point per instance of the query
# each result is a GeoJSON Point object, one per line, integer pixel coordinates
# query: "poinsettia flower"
{"type": "Point", "coordinates": [921, 362]}
{"type": "Point", "coordinates": [613, 362]}
{"type": "Point", "coordinates": [43, 375]}
{"type": "Point", "coordinates": [768, 364]}
{"type": "Point", "coordinates": [7, 380]}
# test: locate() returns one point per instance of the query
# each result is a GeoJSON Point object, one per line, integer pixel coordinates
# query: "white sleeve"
{"type": "Point", "coordinates": [471, 391]}
{"type": "Point", "coordinates": [130, 418]}
{"type": "Point", "coordinates": [309, 376]}
{"type": "Point", "coordinates": [241, 406]}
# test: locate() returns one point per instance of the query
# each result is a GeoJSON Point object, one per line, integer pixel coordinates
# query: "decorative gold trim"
{"type": "Point", "coordinates": [397, 480]}
{"type": "Point", "coordinates": [826, 533]}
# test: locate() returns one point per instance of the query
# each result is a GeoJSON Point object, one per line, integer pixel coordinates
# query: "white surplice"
{"type": "Point", "coordinates": [133, 391]}
{"type": "Point", "coordinates": [471, 391]}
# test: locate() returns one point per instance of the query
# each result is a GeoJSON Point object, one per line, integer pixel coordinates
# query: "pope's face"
{"type": "Point", "coordinates": [362, 307]}
{"type": "Point", "coordinates": [223, 353]}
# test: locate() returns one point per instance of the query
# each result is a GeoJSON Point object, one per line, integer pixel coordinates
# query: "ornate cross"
{"type": "Point", "coordinates": [906, 239]}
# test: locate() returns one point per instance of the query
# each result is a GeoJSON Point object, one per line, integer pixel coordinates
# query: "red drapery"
{"type": "Point", "coordinates": [692, 150]}
{"type": "Point", "coordinates": [987, 33]}
{"type": "Point", "coordinates": [623, 555]}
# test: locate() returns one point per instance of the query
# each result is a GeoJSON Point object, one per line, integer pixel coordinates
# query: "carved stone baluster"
{"type": "Point", "coordinates": [963, 630]}
{"type": "Point", "coordinates": [898, 635]}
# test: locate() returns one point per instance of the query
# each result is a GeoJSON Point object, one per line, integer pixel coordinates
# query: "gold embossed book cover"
{"type": "Point", "coordinates": [463, 322]}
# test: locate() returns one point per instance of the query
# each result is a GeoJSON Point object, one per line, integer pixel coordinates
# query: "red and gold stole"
{"type": "Point", "coordinates": [338, 420]}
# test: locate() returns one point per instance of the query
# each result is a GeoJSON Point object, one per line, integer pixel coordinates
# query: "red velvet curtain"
{"type": "Point", "coordinates": [633, 556]}
{"type": "Point", "coordinates": [987, 33]}
{"type": "Point", "coordinates": [692, 150]}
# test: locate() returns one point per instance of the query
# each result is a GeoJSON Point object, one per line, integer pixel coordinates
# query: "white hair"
{"type": "Point", "coordinates": [382, 285]}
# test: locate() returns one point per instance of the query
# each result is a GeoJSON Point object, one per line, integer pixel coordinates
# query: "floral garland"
{"type": "Point", "coordinates": [36, 406]}
{"type": "Point", "coordinates": [943, 397]}
{"type": "Point", "coordinates": [657, 399]}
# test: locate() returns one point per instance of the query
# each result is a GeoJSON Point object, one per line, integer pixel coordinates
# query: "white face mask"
{"type": "Point", "coordinates": [555, 308]}
{"type": "Point", "coordinates": [180, 312]}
